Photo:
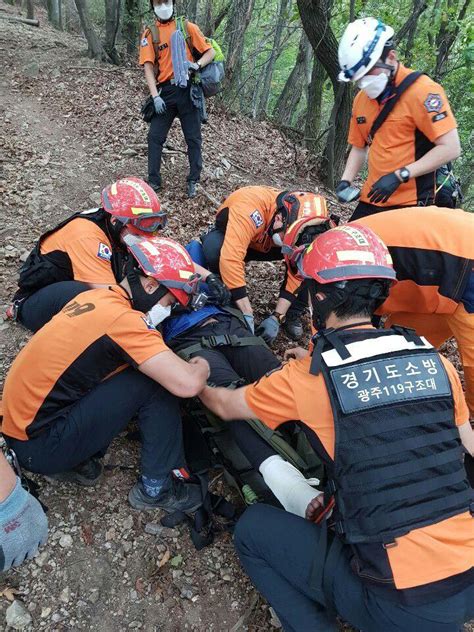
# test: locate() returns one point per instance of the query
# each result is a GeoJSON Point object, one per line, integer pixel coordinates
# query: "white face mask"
{"type": "Point", "coordinates": [373, 85]}
{"type": "Point", "coordinates": [164, 11]}
{"type": "Point", "coordinates": [277, 240]}
{"type": "Point", "coordinates": [158, 313]}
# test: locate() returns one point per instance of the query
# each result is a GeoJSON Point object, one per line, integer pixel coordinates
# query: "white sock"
{"type": "Point", "coordinates": [291, 488]}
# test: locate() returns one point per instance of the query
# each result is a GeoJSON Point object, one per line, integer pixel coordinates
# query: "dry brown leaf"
{"type": "Point", "coordinates": [9, 593]}
{"type": "Point", "coordinates": [165, 559]}
{"type": "Point", "coordinates": [87, 534]}
{"type": "Point", "coordinates": [140, 586]}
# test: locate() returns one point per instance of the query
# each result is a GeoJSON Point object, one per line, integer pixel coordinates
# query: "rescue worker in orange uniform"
{"type": "Point", "coordinates": [418, 136]}
{"type": "Point", "coordinates": [84, 251]}
{"type": "Point", "coordinates": [87, 251]}
{"type": "Point", "coordinates": [99, 363]}
{"type": "Point", "coordinates": [168, 58]}
{"type": "Point", "coordinates": [250, 226]}
{"type": "Point", "coordinates": [433, 256]}
{"type": "Point", "coordinates": [387, 415]}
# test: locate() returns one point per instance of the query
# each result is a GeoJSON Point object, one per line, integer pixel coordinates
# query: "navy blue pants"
{"type": "Point", "coordinates": [178, 104]}
{"type": "Point", "coordinates": [89, 426]}
{"type": "Point", "coordinates": [278, 550]}
{"type": "Point", "coordinates": [38, 309]}
{"type": "Point", "coordinates": [229, 365]}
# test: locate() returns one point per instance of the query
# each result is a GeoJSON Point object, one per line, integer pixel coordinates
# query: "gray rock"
{"type": "Point", "coordinates": [153, 528]}
{"type": "Point", "coordinates": [129, 152]}
{"type": "Point", "coordinates": [65, 541]}
{"type": "Point", "coordinates": [17, 617]}
{"type": "Point", "coordinates": [31, 70]}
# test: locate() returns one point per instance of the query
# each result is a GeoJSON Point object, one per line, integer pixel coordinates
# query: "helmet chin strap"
{"type": "Point", "coordinates": [141, 300]}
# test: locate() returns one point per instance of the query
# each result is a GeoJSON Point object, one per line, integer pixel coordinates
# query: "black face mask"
{"type": "Point", "coordinates": [334, 296]}
{"type": "Point", "coordinates": [141, 300]}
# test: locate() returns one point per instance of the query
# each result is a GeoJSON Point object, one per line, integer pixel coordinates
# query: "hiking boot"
{"type": "Point", "coordinates": [192, 189]}
{"type": "Point", "coordinates": [156, 187]}
{"type": "Point", "coordinates": [86, 474]}
{"type": "Point", "coordinates": [174, 496]}
{"type": "Point", "coordinates": [293, 326]}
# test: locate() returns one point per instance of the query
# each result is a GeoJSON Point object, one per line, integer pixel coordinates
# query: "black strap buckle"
{"type": "Point", "coordinates": [221, 340]}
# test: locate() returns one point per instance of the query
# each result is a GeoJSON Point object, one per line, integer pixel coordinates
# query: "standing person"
{"type": "Point", "coordinates": [387, 415]}
{"type": "Point", "coordinates": [99, 363]}
{"type": "Point", "coordinates": [418, 136]}
{"type": "Point", "coordinates": [250, 226]}
{"type": "Point", "coordinates": [168, 58]}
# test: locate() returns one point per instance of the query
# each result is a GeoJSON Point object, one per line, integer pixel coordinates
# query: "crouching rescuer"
{"type": "Point", "coordinates": [387, 415]}
{"type": "Point", "coordinates": [99, 363]}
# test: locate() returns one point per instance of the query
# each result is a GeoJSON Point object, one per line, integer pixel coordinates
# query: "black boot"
{"type": "Point", "coordinates": [192, 188]}
{"type": "Point", "coordinates": [175, 496]}
{"type": "Point", "coordinates": [86, 474]}
{"type": "Point", "coordinates": [293, 325]}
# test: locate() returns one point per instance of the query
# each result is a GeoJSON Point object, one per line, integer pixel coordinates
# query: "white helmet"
{"type": "Point", "coordinates": [361, 46]}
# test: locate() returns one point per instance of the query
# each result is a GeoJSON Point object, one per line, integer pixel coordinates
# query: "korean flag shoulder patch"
{"type": "Point", "coordinates": [144, 42]}
{"type": "Point", "coordinates": [257, 219]}
{"type": "Point", "coordinates": [104, 252]}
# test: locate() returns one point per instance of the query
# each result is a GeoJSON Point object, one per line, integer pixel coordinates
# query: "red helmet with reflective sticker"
{"type": "Point", "coordinates": [346, 253]}
{"type": "Point", "coordinates": [294, 205]}
{"type": "Point", "coordinates": [169, 263]}
{"type": "Point", "coordinates": [302, 233]}
{"type": "Point", "coordinates": [134, 203]}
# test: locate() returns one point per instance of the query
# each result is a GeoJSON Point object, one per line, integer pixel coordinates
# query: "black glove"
{"type": "Point", "coordinates": [383, 188]}
{"type": "Point", "coordinates": [218, 292]}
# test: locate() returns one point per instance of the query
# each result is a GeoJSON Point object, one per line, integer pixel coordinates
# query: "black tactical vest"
{"type": "Point", "coordinates": [40, 270]}
{"type": "Point", "coordinates": [398, 458]}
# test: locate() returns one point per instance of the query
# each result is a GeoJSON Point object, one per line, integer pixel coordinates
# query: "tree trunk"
{"type": "Point", "coordinates": [312, 129]}
{"type": "Point", "coordinates": [315, 19]}
{"type": "Point", "coordinates": [95, 48]}
{"type": "Point", "coordinates": [291, 94]}
{"type": "Point", "coordinates": [131, 26]}
{"type": "Point", "coordinates": [448, 31]}
{"type": "Point", "coordinates": [112, 22]}
{"type": "Point", "coordinates": [205, 19]}
{"type": "Point", "coordinates": [30, 10]}
{"type": "Point", "coordinates": [54, 13]}
{"type": "Point", "coordinates": [240, 14]}
{"type": "Point", "coordinates": [283, 12]}
{"type": "Point", "coordinates": [187, 8]}
{"type": "Point", "coordinates": [408, 30]}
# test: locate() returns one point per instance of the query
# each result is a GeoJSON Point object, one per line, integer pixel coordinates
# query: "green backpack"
{"type": "Point", "coordinates": [212, 75]}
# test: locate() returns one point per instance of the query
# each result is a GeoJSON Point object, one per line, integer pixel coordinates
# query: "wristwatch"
{"type": "Point", "coordinates": [404, 174]}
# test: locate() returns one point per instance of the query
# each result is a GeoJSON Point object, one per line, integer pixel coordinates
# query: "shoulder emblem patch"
{"type": "Point", "coordinates": [257, 219]}
{"type": "Point", "coordinates": [148, 323]}
{"type": "Point", "coordinates": [104, 252]}
{"type": "Point", "coordinates": [433, 103]}
{"type": "Point", "coordinates": [144, 41]}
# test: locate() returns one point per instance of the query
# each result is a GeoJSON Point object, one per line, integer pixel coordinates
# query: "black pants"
{"type": "Point", "coordinates": [212, 245]}
{"type": "Point", "coordinates": [178, 104]}
{"type": "Point", "coordinates": [231, 364]}
{"type": "Point", "coordinates": [89, 426]}
{"type": "Point", "coordinates": [38, 309]}
{"type": "Point", "coordinates": [280, 551]}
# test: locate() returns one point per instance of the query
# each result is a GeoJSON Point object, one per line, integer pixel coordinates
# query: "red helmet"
{"type": "Point", "coordinates": [300, 234]}
{"type": "Point", "coordinates": [134, 203]}
{"type": "Point", "coordinates": [169, 263]}
{"type": "Point", "coordinates": [346, 253]}
{"type": "Point", "coordinates": [294, 205]}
